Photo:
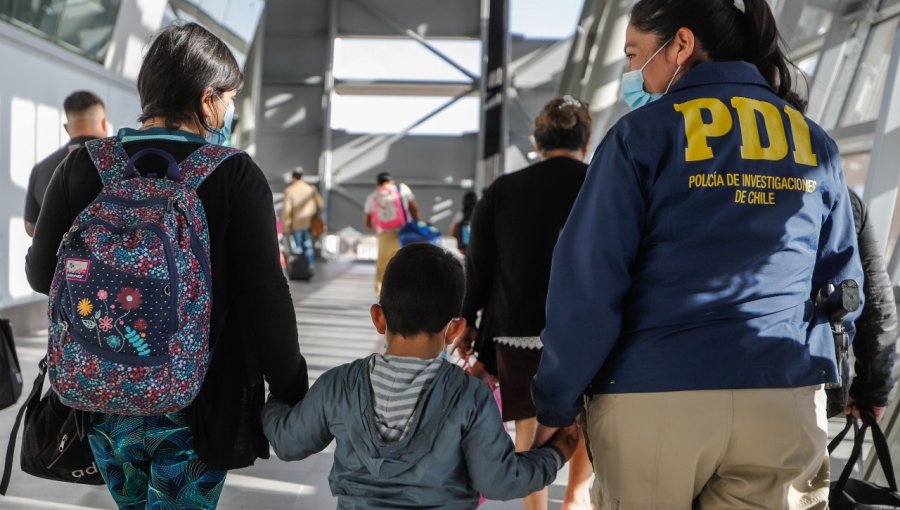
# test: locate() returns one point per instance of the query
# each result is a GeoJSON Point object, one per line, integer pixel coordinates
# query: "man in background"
{"type": "Point", "coordinates": [85, 120]}
{"type": "Point", "coordinates": [302, 203]}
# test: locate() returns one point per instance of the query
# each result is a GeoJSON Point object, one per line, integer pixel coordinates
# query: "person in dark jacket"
{"type": "Point", "coordinates": [187, 84]}
{"type": "Point", "coordinates": [876, 329]}
{"type": "Point", "coordinates": [85, 120]}
{"type": "Point", "coordinates": [681, 293]}
{"type": "Point", "coordinates": [514, 229]}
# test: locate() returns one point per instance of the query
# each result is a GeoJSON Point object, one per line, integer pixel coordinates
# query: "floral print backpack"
{"type": "Point", "coordinates": [131, 297]}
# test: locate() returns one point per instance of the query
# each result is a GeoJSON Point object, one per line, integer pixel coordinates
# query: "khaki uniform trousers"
{"type": "Point", "coordinates": [709, 450]}
{"type": "Point", "coordinates": [388, 246]}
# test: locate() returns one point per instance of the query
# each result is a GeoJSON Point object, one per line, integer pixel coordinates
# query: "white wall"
{"type": "Point", "coordinates": [37, 77]}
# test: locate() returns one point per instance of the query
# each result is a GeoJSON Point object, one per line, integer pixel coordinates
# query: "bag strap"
{"type": "Point", "coordinates": [841, 435]}
{"type": "Point", "coordinates": [110, 158]}
{"type": "Point", "coordinates": [33, 398]}
{"type": "Point", "coordinates": [402, 204]}
{"type": "Point", "coordinates": [879, 442]}
{"type": "Point", "coordinates": [172, 170]}
{"type": "Point", "coordinates": [854, 456]}
{"type": "Point", "coordinates": [881, 448]}
{"type": "Point", "coordinates": [201, 163]}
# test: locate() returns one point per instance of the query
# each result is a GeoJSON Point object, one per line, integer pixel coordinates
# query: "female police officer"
{"type": "Point", "coordinates": [680, 294]}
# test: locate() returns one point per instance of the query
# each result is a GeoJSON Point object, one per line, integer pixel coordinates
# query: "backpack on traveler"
{"type": "Point", "coordinates": [388, 209]}
{"type": "Point", "coordinates": [131, 297]}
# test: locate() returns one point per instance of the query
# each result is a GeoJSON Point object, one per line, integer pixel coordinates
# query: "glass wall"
{"type": "Point", "coordinates": [864, 101]}
{"type": "Point", "coordinates": [856, 168]}
{"type": "Point", "coordinates": [83, 26]}
{"type": "Point", "coordinates": [233, 21]}
{"type": "Point", "coordinates": [815, 24]}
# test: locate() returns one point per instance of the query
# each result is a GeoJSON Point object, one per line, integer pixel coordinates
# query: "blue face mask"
{"type": "Point", "coordinates": [222, 135]}
{"type": "Point", "coordinates": [444, 355]}
{"type": "Point", "coordinates": [633, 84]}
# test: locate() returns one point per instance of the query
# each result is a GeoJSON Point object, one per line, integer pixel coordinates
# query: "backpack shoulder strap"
{"type": "Point", "coordinates": [110, 158]}
{"type": "Point", "coordinates": [33, 398]}
{"type": "Point", "coordinates": [201, 163]}
{"type": "Point", "coordinates": [403, 205]}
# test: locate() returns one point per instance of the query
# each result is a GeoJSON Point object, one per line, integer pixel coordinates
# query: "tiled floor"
{"type": "Point", "coordinates": [334, 325]}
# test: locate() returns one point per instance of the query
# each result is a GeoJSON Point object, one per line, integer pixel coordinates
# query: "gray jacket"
{"type": "Point", "coordinates": [455, 447]}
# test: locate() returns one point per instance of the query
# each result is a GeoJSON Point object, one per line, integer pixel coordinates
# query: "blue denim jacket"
{"type": "Point", "coordinates": [455, 448]}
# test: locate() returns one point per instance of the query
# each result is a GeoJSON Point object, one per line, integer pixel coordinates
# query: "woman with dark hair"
{"type": "Point", "coordinates": [514, 229]}
{"type": "Point", "coordinates": [680, 298]}
{"type": "Point", "coordinates": [187, 86]}
{"type": "Point", "coordinates": [461, 226]}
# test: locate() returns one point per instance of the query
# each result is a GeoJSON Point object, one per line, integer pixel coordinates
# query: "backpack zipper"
{"type": "Point", "coordinates": [196, 246]}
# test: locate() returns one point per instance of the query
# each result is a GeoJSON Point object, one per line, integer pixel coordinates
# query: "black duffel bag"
{"type": "Point", "coordinates": [54, 441]}
{"type": "Point", "coordinates": [852, 494]}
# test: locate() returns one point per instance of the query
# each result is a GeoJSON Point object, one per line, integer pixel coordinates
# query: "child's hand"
{"type": "Point", "coordinates": [465, 342]}
{"type": "Point", "coordinates": [566, 440]}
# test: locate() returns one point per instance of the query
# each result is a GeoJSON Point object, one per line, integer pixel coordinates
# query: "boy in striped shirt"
{"type": "Point", "coordinates": [412, 430]}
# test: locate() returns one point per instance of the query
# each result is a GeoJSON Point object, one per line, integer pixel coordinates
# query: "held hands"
{"type": "Point", "coordinates": [543, 435]}
{"type": "Point", "coordinates": [853, 409]}
{"type": "Point", "coordinates": [566, 440]}
{"type": "Point", "coordinates": [465, 342]}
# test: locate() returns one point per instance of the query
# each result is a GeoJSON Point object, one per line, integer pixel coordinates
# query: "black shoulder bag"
{"type": "Point", "coordinates": [852, 494]}
{"type": "Point", "coordinates": [10, 373]}
{"type": "Point", "coordinates": [54, 441]}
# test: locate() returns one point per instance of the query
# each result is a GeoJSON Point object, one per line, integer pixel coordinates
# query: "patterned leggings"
{"type": "Point", "coordinates": [149, 462]}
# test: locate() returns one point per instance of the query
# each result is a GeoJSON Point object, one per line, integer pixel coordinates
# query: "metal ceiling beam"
{"type": "Point", "coordinates": [387, 20]}
{"type": "Point", "coordinates": [371, 142]}
{"type": "Point", "coordinates": [402, 88]}
{"type": "Point", "coordinates": [579, 53]}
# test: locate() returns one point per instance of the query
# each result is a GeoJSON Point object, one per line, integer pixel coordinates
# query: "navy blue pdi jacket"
{"type": "Point", "coordinates": [708, 221]}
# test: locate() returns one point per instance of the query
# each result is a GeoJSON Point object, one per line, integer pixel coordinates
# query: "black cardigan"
{"type": "Point", "coordinates": [513, 232]}
{"type": "Point", "coordinates": [253, 324]}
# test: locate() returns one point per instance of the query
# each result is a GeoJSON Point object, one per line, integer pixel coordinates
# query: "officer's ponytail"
{"type": "Point", "coordinates": [726, 30]}
{"type": "Point", "coordinates": [765, 51]}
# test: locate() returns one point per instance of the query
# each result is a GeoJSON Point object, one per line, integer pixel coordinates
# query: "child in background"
{"type": "Point", "coordinates": [413, 430]}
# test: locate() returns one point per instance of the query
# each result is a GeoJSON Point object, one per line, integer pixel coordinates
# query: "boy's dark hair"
{"type": "Point", "coordinates": [422, 290]}
{"type": "Point", "coordinates": [383, 177]}
{"type": "Point", "coordinates": [182, 62]}
{"type": "Point", "coordinates": [80, 101]}
{"type": "Point", "coordinates": [297, 175]}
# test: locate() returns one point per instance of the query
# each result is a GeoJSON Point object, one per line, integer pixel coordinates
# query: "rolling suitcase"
{"type": "Point", "coordinates": [298, 268]}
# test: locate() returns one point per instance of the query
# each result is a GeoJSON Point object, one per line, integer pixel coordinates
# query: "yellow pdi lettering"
{"type": "Point", "coordinates": [803, 153]}
{"type": "Point", "coordinates": [751, 144]}
{"type": "Point", "coordinates": [699, 132]}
